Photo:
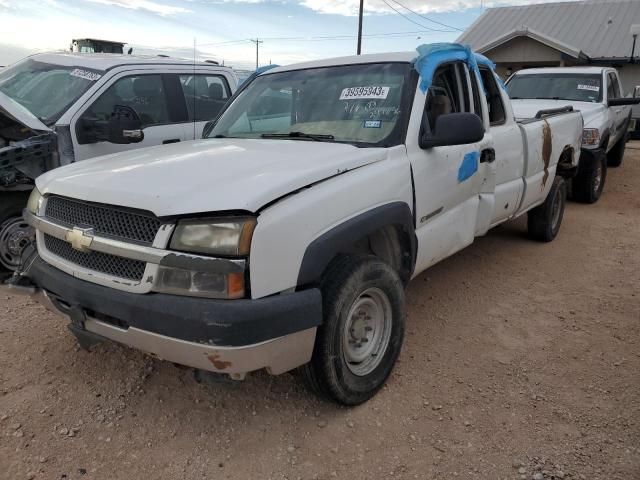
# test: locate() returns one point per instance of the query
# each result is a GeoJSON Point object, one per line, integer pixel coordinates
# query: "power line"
{"type": "Point", "coordinates": [406, 17]}
{"type": "Point", "coordinates": [427, 18]}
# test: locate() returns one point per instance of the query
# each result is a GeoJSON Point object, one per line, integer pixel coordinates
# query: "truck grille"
{"type": "Point", "coordinates": [104, 219]}
{"type": "Point", "coordinates": [97, 261]}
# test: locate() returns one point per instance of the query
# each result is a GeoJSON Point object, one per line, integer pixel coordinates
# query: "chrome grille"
{"type": "Point", "coordinates": [97, 261]}
{"type": "Point", "coordinates": [104, 219]}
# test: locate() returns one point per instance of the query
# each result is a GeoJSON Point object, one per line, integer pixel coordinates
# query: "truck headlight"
{"type": "Point", "coordinates": [178, 281]}
{"type": "Point", "coordinates": [226, 236]}
{"type": "Point", "coordinates": [35, 201]}
{"type": "Point", "coordinates": [591, 137]}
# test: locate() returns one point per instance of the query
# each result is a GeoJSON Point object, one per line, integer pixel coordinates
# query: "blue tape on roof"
{"type": "Point", "coordinates": [430, 56]}
{"type": "Point", "coordinates": [469, 166]}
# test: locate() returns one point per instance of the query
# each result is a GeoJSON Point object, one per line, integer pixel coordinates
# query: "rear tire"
{"type": "Point", "coordinates": [361, 336]}
{"type": "Point", "coordinates": [14, 231]}
{"type": "Point", "coordinates": [587, 186]}
{"type": "Point", "coordinates": [544, 221]}
{"type": "Point", "coordinates": [616, 154]}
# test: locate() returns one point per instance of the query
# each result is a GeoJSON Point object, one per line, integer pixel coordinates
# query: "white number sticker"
{"type": "Point", "coordinates": [87, 75]}
{"type": "Point", "coordinates": [591, 88]}
{"type": "Point", "coordinates": [364, 92]}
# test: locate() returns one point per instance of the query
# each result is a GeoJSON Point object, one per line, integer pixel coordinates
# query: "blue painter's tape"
{"type": "Point", "coordinates": [469, 166]}
{"type": "Point", "coordinates": [432, 55]}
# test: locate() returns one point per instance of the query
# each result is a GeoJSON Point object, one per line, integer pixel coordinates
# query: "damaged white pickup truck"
{"type": "Point", "coordinates": [287, 237]}
{"type": "Point", "coordinates": [61, 108]}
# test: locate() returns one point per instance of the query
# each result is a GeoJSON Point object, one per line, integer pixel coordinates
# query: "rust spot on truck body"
{"type": "Point", "coordinates": [217, 362]}
{"type": "Point", "coordinates": [546, 151]}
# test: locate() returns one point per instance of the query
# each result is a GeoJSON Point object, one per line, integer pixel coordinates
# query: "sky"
{"type": "Point", "coordinates": [291, 30]}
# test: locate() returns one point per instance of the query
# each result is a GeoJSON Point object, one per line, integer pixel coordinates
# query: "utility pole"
{"type": "Point", "coordinates": [360, 27]}
{"type": "Point", "coordinates": [257, 42]}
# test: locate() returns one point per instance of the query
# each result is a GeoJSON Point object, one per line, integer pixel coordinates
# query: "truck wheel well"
{"type": "Point", "coordinates": [386, 231]}
{"type": "Point", "coordinates": [565, 162]}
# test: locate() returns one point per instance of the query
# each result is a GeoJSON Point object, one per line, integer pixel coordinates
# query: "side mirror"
{"type": "Point", "coordinates": [618, 102]}
{"type": "Point", "coordinates": [454, 129]}
{"type": "Point", "coordinates": [124, 126]}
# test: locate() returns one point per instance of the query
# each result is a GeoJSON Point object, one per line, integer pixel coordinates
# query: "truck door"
{"type": "Point", "coordinates": [507, 169]}
{"type": "Point", "coordinates": [619, 113]}
{"type": "Point", "coordinates": [446, 189]}
{"type": "Point", "coordinates": [149, 94]}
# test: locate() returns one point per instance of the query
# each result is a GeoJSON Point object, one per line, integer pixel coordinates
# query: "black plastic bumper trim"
{"type": "Point", "coordinates": [228, 323]}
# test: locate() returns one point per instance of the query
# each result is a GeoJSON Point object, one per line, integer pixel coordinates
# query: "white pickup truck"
{"type": "Point", "coordinates": [287, 237]}
{"type": "Point", "coordinates": [595, 91]}
{"type": "Point", "coordinates": [60, 108]}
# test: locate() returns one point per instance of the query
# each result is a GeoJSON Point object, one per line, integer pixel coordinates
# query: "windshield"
{"type": "Point", "coordinates": [365, 105]}
{"type": "Point", "coordinates": [46, 90]}
{"type": "Point", "coordinates": [556, 86]}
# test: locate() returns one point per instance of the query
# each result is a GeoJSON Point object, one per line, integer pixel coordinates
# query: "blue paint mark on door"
{"type": "Point", "coordinates": [469, 166]}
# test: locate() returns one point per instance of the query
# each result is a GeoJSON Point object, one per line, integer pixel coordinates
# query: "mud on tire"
{"type": "Point", "coordinates": [363, 327]}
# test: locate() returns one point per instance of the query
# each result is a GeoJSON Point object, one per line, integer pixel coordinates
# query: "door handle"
{"type": "Point", "coordinates": [171, 140]}
{"type": "Point", "coordinates": [488, 155]}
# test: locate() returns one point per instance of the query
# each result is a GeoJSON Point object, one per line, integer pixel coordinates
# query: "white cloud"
{"type": "Point", "coordinates": [148, 5]}
{"type": "Point", "coordinates": [350, 7]}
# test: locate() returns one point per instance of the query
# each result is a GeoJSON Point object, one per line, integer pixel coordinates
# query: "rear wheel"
{"type": "Point", "coordinates": [15, 233]}
{"type": "Point", "coordinates": [361, 336]}
{"type": "Point", "coordinates": [544, 221]}
{"type": "Point", "coordinates": [587, 186]}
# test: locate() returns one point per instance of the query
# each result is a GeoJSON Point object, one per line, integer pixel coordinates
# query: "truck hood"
{"type": "Point", "coordinates": [16, 112]}
{"type": "Point", "coordinates": [592, 113]}
{"type": "Point", "coordinates": [205, 175]}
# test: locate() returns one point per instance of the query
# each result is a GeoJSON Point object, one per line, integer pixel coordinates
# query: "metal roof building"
{"type": "Point", "coordinates": [597, 32]}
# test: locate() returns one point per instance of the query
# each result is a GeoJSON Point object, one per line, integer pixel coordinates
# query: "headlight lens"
{"type": "Point", "coordinates": [200, 284]}
{"type": "Point", "coordinates": [35, 201]}
{"type": "Point", "coordinates": [591, 137]}
{"type": "Point", "coordinates": [230, 237]}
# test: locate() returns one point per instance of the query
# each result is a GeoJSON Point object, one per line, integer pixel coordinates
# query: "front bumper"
{"type": "Point", "coordinates": [226, 336]}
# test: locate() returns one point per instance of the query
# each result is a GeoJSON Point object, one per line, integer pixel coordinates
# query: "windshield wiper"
{"type": "Point", "coordinates": [548, 98]}
{"type": "Point", "coordinates": [310, 136]}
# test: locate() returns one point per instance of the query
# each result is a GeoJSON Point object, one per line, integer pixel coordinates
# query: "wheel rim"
{"type": "Point", "coordinates": [367, 331]}
{"type": "Point", "coordinates": [557, 208]}
{"type": "Point", "coordinates": [15, 235]}
{"type": "Point", "coordinates": [597, 179]}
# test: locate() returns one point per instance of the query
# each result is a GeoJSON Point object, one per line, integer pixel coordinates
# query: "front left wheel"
{"type": "Point", "coordinates": [15, 233]}
{"type": "Point", "coordinates": [363, 327]}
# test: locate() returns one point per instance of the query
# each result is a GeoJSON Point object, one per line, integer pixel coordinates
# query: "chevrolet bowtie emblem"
{"type": "Point", "coordinates": [80, 238]}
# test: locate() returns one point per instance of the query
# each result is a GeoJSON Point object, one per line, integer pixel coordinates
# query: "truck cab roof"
{"type": "Point", "coordinates": [403, 57]}
{"type": "Point", "coordinates": [554, 70]}
{"type": "Point", "coordinates": [108, 61]}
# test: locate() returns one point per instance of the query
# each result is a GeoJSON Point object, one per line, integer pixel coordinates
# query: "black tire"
{"type": "Point", "coordinates": [348, 290]}
{"type": "Point", "coordinates": [544, 221]}
{"type": "Point", "coordinates": [11, 226]}
{"type": "Point", "coordinates": [616, 154]}
{"type": "Point", "coordinates": [588, 184]}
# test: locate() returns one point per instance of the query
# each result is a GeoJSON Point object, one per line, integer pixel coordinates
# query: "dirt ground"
{"type": "Point", "coordinates": [521, 361]}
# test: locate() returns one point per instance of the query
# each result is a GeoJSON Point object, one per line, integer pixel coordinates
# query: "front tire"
{"type": "Point", "coordinates": [15, 233]}
{"type": "Point", "coordinates": [616, 154]}
{"type": "Point", "coordinates": [361, 336]}
{"type": "Point", "coordinates": [587, 186]}
{"type": "Point", "coordinates": [544, 221]}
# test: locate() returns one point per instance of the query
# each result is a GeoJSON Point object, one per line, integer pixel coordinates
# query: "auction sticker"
{"type": "Point", "coordinates": [364, 92]}
{"type": "Point", "coordinates": [591, 88]}
{"type": "Point", "coordinates": [86, 74]}
{"type": "Point", "coordinates": [372, 124]}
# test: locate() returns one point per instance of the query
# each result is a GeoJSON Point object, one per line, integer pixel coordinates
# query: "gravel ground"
{"type": "Point", "coordinates": [521, 361]}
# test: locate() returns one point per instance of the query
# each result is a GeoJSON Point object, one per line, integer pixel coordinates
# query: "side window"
{"type": "Point", "coordinates": [144, 93]}
{"type": "Point", "coordinates": [615, 87]}
{"type": "Point", "coordinates": [448, 93]}
{"type": "Point", "coordinates": [494, 99]}
{"type": "Point", "coordinates": [610, 89]}
{"type": "Point", "coordinates": [205, 95]}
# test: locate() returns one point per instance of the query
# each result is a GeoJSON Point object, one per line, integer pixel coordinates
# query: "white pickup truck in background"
{"type": "Point", "coordinates": [597, 93]}
{"type": "Point", "coordinates": [287, 237]}
{"type": "Point", "coordinates": [60, 108]}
